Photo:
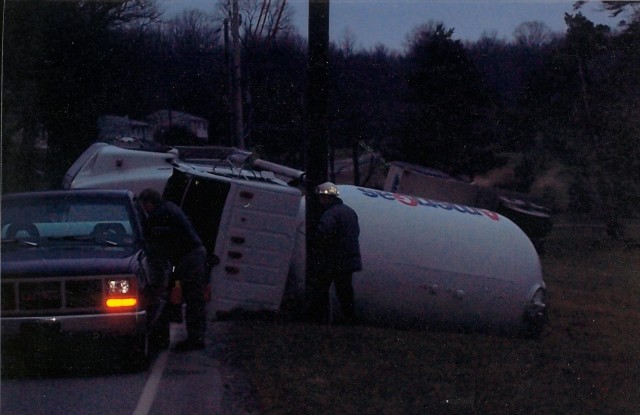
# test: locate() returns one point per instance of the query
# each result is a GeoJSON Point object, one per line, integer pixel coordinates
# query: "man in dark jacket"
{"type": "Point", "coordinates": [171, 237]}
{"type": "Point", "coordinates": [336, 253]}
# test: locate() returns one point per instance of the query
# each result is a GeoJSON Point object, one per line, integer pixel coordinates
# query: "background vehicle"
{"type": "Point", "coordinates": [73, 263]}
{"type": "Point", "coordinates": [534, 219]}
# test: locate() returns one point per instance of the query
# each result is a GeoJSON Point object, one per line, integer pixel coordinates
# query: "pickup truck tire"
{"type": "Point", "coordinates": [135, 351]}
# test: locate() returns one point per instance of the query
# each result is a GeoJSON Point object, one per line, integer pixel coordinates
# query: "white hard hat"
{"type": "Point", "coordinates": [327, 188]}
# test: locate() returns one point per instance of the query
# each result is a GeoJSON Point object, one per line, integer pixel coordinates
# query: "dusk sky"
{"type": "Point", "coordinates": [390, 21]}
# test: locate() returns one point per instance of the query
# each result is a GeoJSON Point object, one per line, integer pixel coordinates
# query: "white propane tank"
{"type": "Point", "coordinates": [437, 263]}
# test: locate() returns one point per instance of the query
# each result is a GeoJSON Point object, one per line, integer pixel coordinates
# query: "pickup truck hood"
{"type": "Point", "coordinates": [43, 261]}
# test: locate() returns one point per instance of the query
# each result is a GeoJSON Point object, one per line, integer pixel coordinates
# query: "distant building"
{"type": "Point", "coordinates": [114, 127]}
{"type": "Point", "coordinates": [163, 120]}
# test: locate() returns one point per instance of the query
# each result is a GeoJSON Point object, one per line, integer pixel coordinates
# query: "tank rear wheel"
{"type": "Point", "coordinates": [535, 316]}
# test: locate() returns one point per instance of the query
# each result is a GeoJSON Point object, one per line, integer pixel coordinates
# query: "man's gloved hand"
{"type": "Point", "coordinates": [157, 291]}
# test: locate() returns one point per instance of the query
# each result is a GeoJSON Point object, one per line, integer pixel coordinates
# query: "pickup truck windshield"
{"type": "Point", "coordinates": [78, 220]}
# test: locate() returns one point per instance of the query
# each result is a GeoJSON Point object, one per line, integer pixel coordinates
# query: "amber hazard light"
{"type": "Point", "coordinates": [121, 302]}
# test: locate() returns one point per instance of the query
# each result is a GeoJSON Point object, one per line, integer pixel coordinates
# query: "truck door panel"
{"type": "Point", "coordinates": [255, 245]}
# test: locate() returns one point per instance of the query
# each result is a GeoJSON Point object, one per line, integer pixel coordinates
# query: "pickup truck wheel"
{"type": "Point", "coordinates": [135, 351]}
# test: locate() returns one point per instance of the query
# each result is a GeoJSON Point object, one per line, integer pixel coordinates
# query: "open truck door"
{"type": "Point", "coordinates": [249, 228]}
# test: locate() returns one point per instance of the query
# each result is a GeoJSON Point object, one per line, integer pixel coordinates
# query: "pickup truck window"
{"type": "Point", "coordinates": [50, 220]}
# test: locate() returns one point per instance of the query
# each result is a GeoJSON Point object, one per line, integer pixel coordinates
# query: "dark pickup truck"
{"type": "Point", "coordinates": [73, 262]}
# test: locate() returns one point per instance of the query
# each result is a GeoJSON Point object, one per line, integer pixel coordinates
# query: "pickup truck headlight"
{"type": "Point", "coordinates": [120, 286]}
{"type": "Point", "coordinates": [121, 292]}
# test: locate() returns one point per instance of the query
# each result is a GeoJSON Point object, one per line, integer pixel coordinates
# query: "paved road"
{"type": "Point", "coordinates": [93, 382]}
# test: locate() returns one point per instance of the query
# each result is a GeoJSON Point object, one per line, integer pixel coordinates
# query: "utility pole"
{"type": "Point", "coordinates": [317, 101]}
{"type": "Point", "coordinates": [317, 92]}
{"type": "Point", "coordinates": [227, 62]}
{"type": "Point", "coordinates": [237, 87]}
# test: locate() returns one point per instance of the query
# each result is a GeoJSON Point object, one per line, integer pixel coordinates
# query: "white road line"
{"type": "Point", "coordinates": [151, 387]}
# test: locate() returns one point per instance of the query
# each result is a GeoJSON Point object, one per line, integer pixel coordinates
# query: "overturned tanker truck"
{"type": "Point", "coordinates": [426, 263]}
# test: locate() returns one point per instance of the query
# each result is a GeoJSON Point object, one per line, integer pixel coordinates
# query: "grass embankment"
{"type": "Point", "coordinates": [586, 361]}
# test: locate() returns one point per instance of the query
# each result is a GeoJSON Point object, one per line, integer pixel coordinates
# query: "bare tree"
{"type": "Point", "coordinates": [532, 34]}
{"type": "Point", "coordinates": [347, 44]}
{"type": "Point", "coordinates": [121, 13]}
{"type": "Point", "coordinates": [76, 40]}
{"type": "Point", "coordinates": [262, 20]}
{"type": "Point", "coordinates": [193, 30]}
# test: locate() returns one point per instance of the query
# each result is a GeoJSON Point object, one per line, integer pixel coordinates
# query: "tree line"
{"type": "Point", "coordinates": [558, 111]}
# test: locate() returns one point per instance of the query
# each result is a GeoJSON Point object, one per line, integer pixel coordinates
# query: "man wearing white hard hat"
{"type": "Point", "coordinates": [336, 254]}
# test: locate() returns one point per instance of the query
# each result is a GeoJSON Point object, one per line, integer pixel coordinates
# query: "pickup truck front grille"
{"type": "Point", "coordinates": [39, 296]}
{"type": "Point", "coordinates": [51, 296]}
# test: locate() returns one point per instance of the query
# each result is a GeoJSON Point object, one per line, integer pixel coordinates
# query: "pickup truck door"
{"type": "Point", "coordinates": [255, 245]}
